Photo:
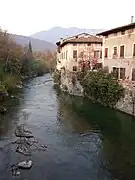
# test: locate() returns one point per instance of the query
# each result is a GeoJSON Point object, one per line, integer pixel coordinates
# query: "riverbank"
{"type": "Point", "coordinates": [69, 82]}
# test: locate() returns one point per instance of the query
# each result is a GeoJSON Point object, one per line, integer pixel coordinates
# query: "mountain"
{"type": "Point", "coordinates": [54, 34]}
{"type": "Point", "coordinates": [37, 45]}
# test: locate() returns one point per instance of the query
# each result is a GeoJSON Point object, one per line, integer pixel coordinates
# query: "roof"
{"type": "Point", "coordinates": [87, 38]}
{"type": "Point", "coordinates": [115, 30]}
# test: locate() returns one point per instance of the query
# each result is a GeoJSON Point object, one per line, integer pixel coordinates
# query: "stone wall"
{"type": "Point", "coordinates": [74, 88]}
{"type": "Point", "coordinates": [126, 104]}
{"type": "Point", "coordinates": [70, 83]}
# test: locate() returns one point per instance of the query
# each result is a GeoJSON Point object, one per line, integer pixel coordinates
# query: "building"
{"type": "Point", "coordinates": [78, 51]}
{"type": "Point", "coordinates": [118, 51]}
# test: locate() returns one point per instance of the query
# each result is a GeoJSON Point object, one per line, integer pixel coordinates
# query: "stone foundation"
{"type": "Point", "coordinates": [71, 85]}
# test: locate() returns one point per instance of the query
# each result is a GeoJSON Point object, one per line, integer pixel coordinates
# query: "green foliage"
{"type": "Point", "coordinates": [10, 82]}
{"type": "Point", "coordinates": [56, 76]}
{"type": "Point", "coordinates": [102, 87]}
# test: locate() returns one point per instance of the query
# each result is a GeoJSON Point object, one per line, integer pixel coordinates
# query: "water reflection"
{"type": "Point", "coordinates": [85, 140]}
{"type": "Point", "coordinates": [117, 135]}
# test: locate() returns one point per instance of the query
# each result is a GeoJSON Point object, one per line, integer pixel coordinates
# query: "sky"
{"type": "Point", "coordinates": [26, 17]}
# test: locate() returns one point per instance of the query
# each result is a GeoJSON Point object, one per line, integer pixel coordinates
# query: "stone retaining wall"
{"type": "Point", "coordinates": [124, 105]}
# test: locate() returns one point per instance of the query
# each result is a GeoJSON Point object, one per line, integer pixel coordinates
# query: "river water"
{"type": "Point", "coordinates": [84, 140]}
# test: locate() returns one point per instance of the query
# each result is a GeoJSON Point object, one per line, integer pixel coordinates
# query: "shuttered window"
{"type": "Point", "coordinates": [115, 51]}
{"type": "Point", "coordinates": [75, 54]}
{"type": "Point", "coordinates": [133, 74]}
{"type": "Point", "coordinates": [106, 52]}
{"type": "Point", "coordinates": [121, 51]}
{"type": "Point", "coordinates": [122, 73]}
{"type": "Point", "coordinates": [134, 50]}
{"type": "Point", "coordinates": [96, 54]}
{"type": "Point", "coordinates": [100, 54]}
{"type": "Point", "coordinates": [74, 68]}
{"type": "Point", "coordinates": [116, 72]}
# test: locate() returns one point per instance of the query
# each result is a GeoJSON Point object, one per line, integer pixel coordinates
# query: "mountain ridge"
{"type": "Point", "coordinates": [37, 44]}
{"type": "Point", "coordinates": [55, 33]}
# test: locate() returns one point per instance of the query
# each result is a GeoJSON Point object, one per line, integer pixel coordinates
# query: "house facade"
{"type": "Point", "coordinates": [78, 51]}
{"type": "Point", "coordinates": [118, 51]}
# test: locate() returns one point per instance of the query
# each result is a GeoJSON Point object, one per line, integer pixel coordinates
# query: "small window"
{"type": "Point", "coordinates": [89, 44]}
{"type": "Point", "coordinates": [66, 54]}
{"type": "Point", "coordinates": [96, 54]}
{"type": "Point", "coordinates": [121, 51]}
{"type": "Point", "coordinates": [75, 54]}
{"type": "Point", "coordinates": [74, 68]}
{"type": "Point", "coordinates": [115, 34]}
{"type": "Point", "coordinates": [122, 73]}
{"type": "Point", "coordinates": [106, 52]}
{"type": "Point", "coordinates": [74, 44]}
{"type": "Point", "coordinates": [133, 74]}
{"type": "Point", "coordinates": [122, 32]}
{"type": "Point", "coordinates": [106, 36]}
{"type": "Point", "coordinates": [116, 72]}
{"type": "Point", "coordinates": [100, 54]}
{"type": "Point", "coordinates": [115, 51]}
{"type": "Point", "coordinates": [134, 50]}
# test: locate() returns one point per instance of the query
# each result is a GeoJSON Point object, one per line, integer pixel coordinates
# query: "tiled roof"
{"type": "Point", "coordinates": [82, 39]}
{"type": "Point", "coordinates": [115, 30]}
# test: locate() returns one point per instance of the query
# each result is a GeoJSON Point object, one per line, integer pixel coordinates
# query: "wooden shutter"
{"type": "Point", "coordinates": [116, 72]}
{"type": "Point", "coordinates": [75, 54]}
{"type": "Point", "coordinates": [133, 74]}
{"type": "Point", "coordinates": [121, 51]}
{"type": "Point", "coordinates": [134, 50]}
{"type": "Point", "coordinates": [106, 52]}
{"type": "Point", "coordinates": [122, 73]}
{"type": "Point", "coordinates": [115, 51]}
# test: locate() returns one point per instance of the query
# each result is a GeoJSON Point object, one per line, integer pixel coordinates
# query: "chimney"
{"type": "Point", "coordinates": [132, 19]}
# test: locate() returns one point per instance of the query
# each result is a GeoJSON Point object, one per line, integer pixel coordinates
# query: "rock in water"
{"type": "Point", "coordinates": [25, 164]}
{"type": "Point", "coordinates": [2, 109]}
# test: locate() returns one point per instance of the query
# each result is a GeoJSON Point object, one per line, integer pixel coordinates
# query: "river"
{"type": "Point", "coordinates": [84, 140]}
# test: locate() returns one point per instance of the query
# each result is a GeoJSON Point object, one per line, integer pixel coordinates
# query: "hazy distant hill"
{"type": "Point", "coordinates": [54, 34]}
{"type": "Point", "coordinates": [37, 45]}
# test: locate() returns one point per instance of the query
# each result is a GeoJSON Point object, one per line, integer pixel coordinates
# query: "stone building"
{"type": "Point", "coordinates": [77, 51]}
{"type": "Point", "coordinates": [118, 51]}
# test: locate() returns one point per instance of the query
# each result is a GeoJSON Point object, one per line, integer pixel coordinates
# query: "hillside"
{"type": "Point", "coordinates": [37, 45]}
{"type": "Point", "coordinates": [54, 34]}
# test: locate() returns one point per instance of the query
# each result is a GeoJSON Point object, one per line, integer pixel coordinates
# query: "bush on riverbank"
{"type": "Point", "coordinates": [102, 87]}
{"type": "Point", "coordinates": [57, 77]}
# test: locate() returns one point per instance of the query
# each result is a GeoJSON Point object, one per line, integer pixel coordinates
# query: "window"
{"type": "Point", "coordinates": [134, 50]}
{"type": "Point", "coordinates": [66, 54]}
{"type": "Point", "coordinates": [133, 74]}
{"type": "Point", "coordinates": [122, 32]}
{"type": "Point", "coordinates": [74, 44]}
{"type": "Point", "coordinates": [106, 52]}
{"type": "Point", "coordinates": [116, 72]}
{"type": "Point", "coordinates": [121, 51]}
{"type": "Point", "coordinates": [119, 73]}
{"type": "Point", "coordinates": [106, 36]}
{"type": "Point", "coordinates": [96, 54]}
{"type": "Point", "coordinates": [100, 54]}
{"type": "Point", "coordinates": [74, 68]}
{"type": "Point", "coordinates": [75, 54]}
{"type": "Point", "coordinates": [115, 34]}
{"type": "Point", "coordinates": [115, 51]}
{"type": "Point", "coordinates": [89, 44]}
{"type": "Point", "coordinates": [122, 73]}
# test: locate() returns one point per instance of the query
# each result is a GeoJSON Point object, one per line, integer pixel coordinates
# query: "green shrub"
{"type": "Point", "coordinates": [10, 82]}
{"type": "Point", "coordinates": [102, 87]}
{"type": "Point", "coordinates": [56, 76]}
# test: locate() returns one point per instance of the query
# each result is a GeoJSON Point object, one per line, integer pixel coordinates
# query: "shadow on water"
{"type": "Point", "coordinates": [117, 132]}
